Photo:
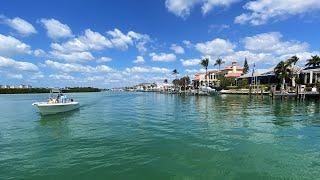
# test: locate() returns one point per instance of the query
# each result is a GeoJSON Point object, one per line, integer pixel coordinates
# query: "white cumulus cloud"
{"type": "Point", "coordinates": [55, 29]}
{"type": "Point", "coordinates": [137, 69]}
{"type": "Point", "coordinates": [182, 8]}
{"type": "Point", "coordinates": [177, 49]}
{"type": "Point", "coordinates": [215, 47]}
{"type": "Point", "coordinates": [272, 43]}
{"type": "Point", "coordinates": [90, 40]}
{"type": "Point", "coordinates": [139, 60]}
{"type": "Point", "coordinates": [190, 62]}
{"type": "Point", "coordinates": [73, 67]}
{"type": "Point", "coordinates": [261, 11]}
{"type": "Point", "coordinates": [73, 56]}
{"type": "Point", "coordinates": [11, 46]}
{"type": "Point", "coordinates": [17, 65]}
{"type": "Point", "coordinates": [104, 59]}
{"type": "Point", "coordinates": [22, 26]}
{"type": "Point", "coordinates": [163, 57]}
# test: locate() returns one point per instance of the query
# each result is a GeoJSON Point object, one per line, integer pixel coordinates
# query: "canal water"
{"type": "Point", "coordinates": [159, 136]}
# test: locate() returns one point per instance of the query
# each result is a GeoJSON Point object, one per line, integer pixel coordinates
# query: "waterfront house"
{"type": "Point", "coordinates": [146, 87]}
{"type": "Point", "coordinates": [232, 71]}
{"type": "Point", "coordinates": [266, 77]}
{"type": "Point", "coordinates": [165, 87]}
{"type": "Point", "coordinates": [213, 76]}
{"type": "Point", "coordinates": [310, 75]}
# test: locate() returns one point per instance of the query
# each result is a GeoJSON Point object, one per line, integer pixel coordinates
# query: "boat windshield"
{"type": "Point", "coordinates": [58, 97]}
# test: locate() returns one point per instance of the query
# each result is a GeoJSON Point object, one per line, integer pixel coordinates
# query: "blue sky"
{"type": "Point", "coordinates": [118, 43]}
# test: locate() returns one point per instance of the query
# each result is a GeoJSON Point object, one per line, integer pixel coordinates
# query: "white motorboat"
{"type": "Point", "coordinates": [207, 89]}
{"type": "Point", "coordinates": [56, 103]}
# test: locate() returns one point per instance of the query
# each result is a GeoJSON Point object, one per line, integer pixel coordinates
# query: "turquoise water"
{"type": "Point", "coordinates": [157, 136]}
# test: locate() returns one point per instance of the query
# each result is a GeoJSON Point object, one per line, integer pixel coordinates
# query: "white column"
{"type": "Point", "coordinates": [305, 77]}
{"type": "Point", "coordinates": [311, 77]}
{"type": "Point", "coordinates": [316, 77]}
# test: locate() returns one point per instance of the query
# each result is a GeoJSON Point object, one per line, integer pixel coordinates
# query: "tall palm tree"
{"type": "Point", "coordinates": [314, 61]}
{"type": "Point", "coordinates": [205, 63]}
{"type": "Point", "coordinates": [175, 72]}
{"type": "Point", "coordinates": [293, 71]}
{"type": "Point", "coordinates": [219, 62]}
{"type": "Point", "coordinates": [293, 60]}
{"type": "Point", "coordinates": [282, 71]}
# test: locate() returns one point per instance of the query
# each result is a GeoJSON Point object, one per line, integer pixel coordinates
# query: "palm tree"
{"type": "Point", "coordinates": [314, 61]}
{"type": "Point", "coordinates": [219, 62]}
{"type": "Point", "coordinates": [293, 60]}
{"type": "Point", "coordinates": [290, 63]}
{"type": "Point", "coordinates": [282, 71]}
{"type": "Point", "coordinates": [205, 63]}
{"type": "Point", "coordinates": [175, 73]}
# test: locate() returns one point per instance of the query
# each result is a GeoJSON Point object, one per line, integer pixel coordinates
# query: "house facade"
{"type": "Point", "coordinates": [232, 71]}
{"type": "Point", "coordinates": [213, 76]}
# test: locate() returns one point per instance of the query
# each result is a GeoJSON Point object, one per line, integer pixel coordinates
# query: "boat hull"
{"type": "Point", "coordinates": [46, 109]}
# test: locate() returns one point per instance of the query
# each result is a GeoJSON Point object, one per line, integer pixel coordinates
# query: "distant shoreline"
{"type": "Point", "coordinates": [47, 90]}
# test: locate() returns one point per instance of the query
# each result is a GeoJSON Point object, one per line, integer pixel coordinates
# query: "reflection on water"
{"type": "Point", "coordinates": [158, 136]}
{"type": "Point", "coordinates": [52, 118]}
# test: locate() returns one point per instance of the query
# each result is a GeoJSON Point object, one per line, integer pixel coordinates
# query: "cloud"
{"type": "Point", "coordinates": [218, 28]}
{"type": "Point", "coordinates": [120, 40]}
{"type": "Point", "coordinates": [190, 62]}
{"type": "Point", "coordinates": [15, 76]}
{"type": "Point", "coordinates": [90, 40]}
{"type": "Point", "coordinates": [163, 57]}
{"type": "Point", "coordinates": [73, 56]}
{"type": "Point", "coordinates": [177, 49]}
{"type": "Point", "coordinates": [11, 46]}
{"type": "Point", "coordinates": [73, 67]}
{"type": "Point", "coordinates": [17, 65]}
{"type": "Point", "coordinates": [39, 53]}
{"type": "Point", "coordinates": [272, 43]}
{"type": "Point", "coordinates": [22, 26]}
{"type": "Point", "coordinates": [261, 11]}
{"type": "Point", "coordinates": [215, 47]}
{"type": "Point", "coordinates": [139, 60]}
{"type": "Point", "coordinates": [193, 71]}
{"type": "Point", "coordinates": [104, 59]}
{"type": "Point", "coordinates": [123, 41]}
{"type": "Point", "coordinates": [55, 29]}
{"type": "Point", "coordinates": [182, 8]}
{"type": "Point", "coordinates": [265, 49]}
{"type": "Point", "coordinates": [210, 4]}
{"type": "Point", "coordinates": [137, 69]}
{"type": "Point", "coordinates": [64, 77]}
{"type": "Point", "coordinates": [187, 43]}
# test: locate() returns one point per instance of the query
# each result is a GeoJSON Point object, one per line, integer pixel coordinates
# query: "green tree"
{"type": "Point", "coordinates": [225, 82]}
{"type": "Point", "coordinates": [245, 66]}
{"type": "Point", "coordinates": [205, 63]}
{"type": "Point", "coordinates": [286, 69]}
{"type": "Point", "coordinates": [175, 82]}
{"type": "Point", "coordinates": [313, 61]}
{"type": "Point", "coordinates": [219, 62]}
{"type": "Point", "coordinates": [282, 72]}
{"type": "Point", "coordinates": [185, 81]}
